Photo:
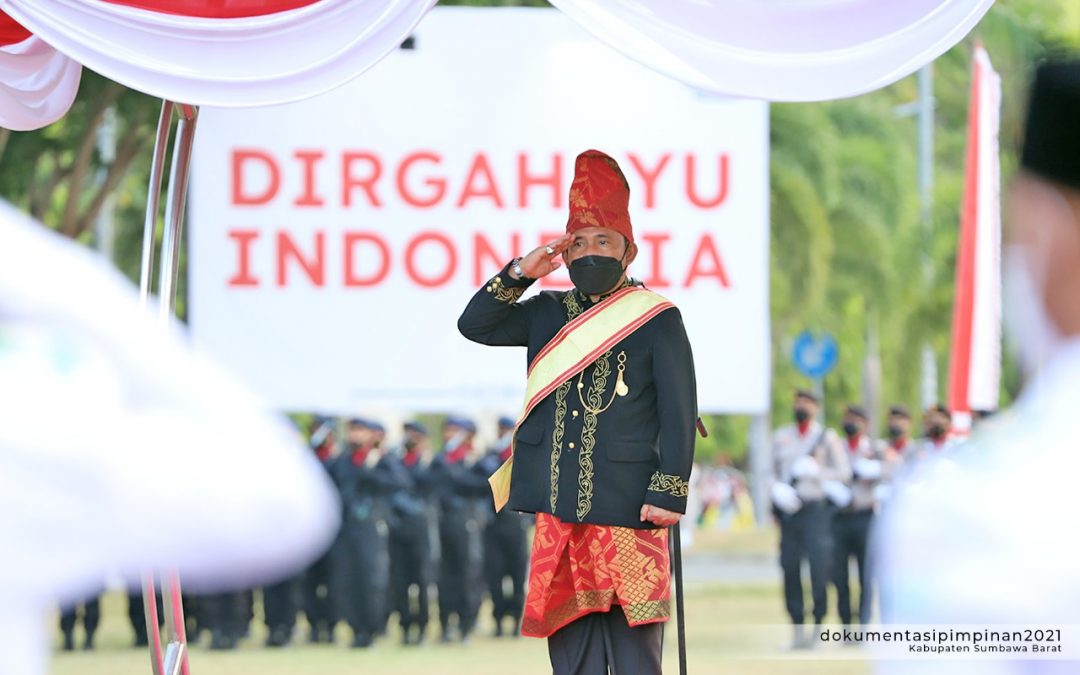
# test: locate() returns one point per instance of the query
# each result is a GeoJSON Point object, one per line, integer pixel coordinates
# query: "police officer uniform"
{"type": "Point", "coordinates": [411, 537]}
{"type": "Point", "coordinates": [506, 547]}
{"type": "Point", "coordinates": [361, 558]}
{"type": "Point", "coordinates": [853, 520]}
{"type": "Point", "coordinates": [806, 458]}
{"type": "Point", "coordinates": [315, 583]}
{"type": "Point", "coordinates": [462, 496]}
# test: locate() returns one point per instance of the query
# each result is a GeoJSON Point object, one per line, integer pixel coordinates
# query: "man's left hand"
{"type": "Point", "coordinates": [658, 516]}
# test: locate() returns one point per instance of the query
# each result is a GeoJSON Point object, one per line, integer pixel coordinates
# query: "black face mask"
{"type": "Point", "coordinates": [851, 429]}
{"type": "Point", "coordinates": [801, 415]}
{"type": "Point", "coordinates": [936, 431]}
{"type": "Point", "coordinates": [895, 432]}
{"type": "Point", "coordinates": [595, 274]}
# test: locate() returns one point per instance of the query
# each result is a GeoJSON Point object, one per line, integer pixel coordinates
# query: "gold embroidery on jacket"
{"type": "Point", "coordinates": [595, 397]}
{"type": "Point", "coordinates": [573, 309]}
{"type": "Point", "coordinates": [663, 482]}
{"type": "Point", "coordinates": [501, 292]}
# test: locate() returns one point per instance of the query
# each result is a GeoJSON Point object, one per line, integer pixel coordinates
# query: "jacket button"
{"type": "Point", "coordinates": [571, 445]}
{"type": "Point", "coordinates": [574, 413]}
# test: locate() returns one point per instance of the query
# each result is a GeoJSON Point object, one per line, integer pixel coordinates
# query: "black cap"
{"type": "Point", "coordinates": [857, 411]}
{"type": "Point", "coordinates": [1052, 134]}
{"type": "Point", "coordinates": [939, 408]}
{"type": "Point", "coordinates": [899, 411]}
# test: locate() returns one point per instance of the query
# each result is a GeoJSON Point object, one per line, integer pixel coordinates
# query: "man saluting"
{"type": "Point", "coordinates": [604, 444]}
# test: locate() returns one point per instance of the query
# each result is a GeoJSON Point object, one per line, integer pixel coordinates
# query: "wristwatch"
{"type": "Point", "coordinates": [515, 265]}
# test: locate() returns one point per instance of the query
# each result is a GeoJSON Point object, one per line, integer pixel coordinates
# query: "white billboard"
{"type": "Point", "coordinates": [334, 242]}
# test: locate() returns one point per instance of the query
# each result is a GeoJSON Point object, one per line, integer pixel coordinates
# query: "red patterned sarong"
{"type": "Point", "coordinates": [577, 569]}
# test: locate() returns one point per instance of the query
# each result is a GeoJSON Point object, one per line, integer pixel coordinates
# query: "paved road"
{"type": "Point", "coordinates": [731, 568]}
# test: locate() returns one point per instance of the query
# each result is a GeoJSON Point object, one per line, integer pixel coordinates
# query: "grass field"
{"type": "Point", "coordinates": [724, 623]}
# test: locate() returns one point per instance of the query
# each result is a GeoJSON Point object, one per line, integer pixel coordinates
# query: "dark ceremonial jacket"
{"type": "Point", "coordinates": [456, 487]}
{"type": "Point", "coordinates": [366, 488]}
{"type": "Point", "coordinates": [583, 466]}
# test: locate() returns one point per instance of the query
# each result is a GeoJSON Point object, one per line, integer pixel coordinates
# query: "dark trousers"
{"type": "Point", "coordinates": [851, 531]}
{"type": "Point", "coordinates": [361, 577]}
{"type": "Point", "coordinates": [806, 534]}
{"type": "Point", "coordinates": [280, 609]}
{"type": "Point", "coordinates": [603, 643]}
{"type": "Point", "coordinates": [317, 601]}
{"type": "Point", "coordinates": [91, 617]}
{"type": "Point", "coordinates": [410, 563]}
{"type": "Point", "coordinates": [225, 615]}
{"type": "Point", "coordinates": [506, 556]}
{"type": "Point", "coordinates": [137, 616]}
{"type": "Point", "coordinates": [460, 571]}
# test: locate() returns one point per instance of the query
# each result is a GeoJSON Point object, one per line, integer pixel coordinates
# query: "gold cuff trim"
{"type": "Point", "coordinates": [501, 292]}
{"type": "Point", "coordinates": [663, 482]}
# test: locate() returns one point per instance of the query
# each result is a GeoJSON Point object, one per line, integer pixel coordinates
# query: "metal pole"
{"type": "Point", "coordinates": [926, 200]}
{"type": "Point", "coordinates": [174, 214]}
{"type": "Point", "coordinates": [153, 632]}
{"type": "Point", "coordinates": [153, 199]}
{"type": "Point", "coordinates": [146, 276]}
{"type": "Point", "coordinates": [176, 660]}
{"type": "Point", "coordinates": [760, 461]}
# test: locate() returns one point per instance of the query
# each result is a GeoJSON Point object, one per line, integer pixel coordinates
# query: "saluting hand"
{"type": "Point", "coordinates": [544, 260]}
{"type": "Point", "coordinates": [659, 516]}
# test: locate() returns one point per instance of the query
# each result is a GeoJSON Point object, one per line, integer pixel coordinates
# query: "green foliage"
{"type": "Point", "coordinates": [849, 253]}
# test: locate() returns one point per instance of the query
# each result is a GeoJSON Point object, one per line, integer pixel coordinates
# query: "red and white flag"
{"type": "Point", "coordinates": [975, 363]}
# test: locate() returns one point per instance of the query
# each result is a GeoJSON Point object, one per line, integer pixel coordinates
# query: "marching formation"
{"type": "Point", "coordinates": [827, 489]}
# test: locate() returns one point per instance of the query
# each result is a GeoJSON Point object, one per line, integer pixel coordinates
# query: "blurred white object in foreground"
{"type": "Point", "coordinates": [121, 449]}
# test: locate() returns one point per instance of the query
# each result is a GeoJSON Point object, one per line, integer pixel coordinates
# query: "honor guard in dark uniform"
{"type": "Point", "coordinates": [137, 617]}
{"type": "Point", "coordinates": [411, 538]}
{"type": "Point", "coordinates": [315, 587]}
{"type": "Point", "coordinates": [461, 495]}
{"type": "Point", "coordinates": [225, 615]}
{"type": "Point", "coordinates": [361, 557]}
{"type": "Point", "coordinates": [91, 616]}
{"type": "Point", "coordinates": [506, 547]}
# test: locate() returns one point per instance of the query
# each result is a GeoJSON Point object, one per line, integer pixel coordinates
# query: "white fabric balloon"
{"type": "Point", "coordinates": [112, 425]}
{"type": "Point", "coordinates": [780, 50]}
{"type": "Point", "coordinates": [250, 61]}
{"type": "Point", "coordinates": [37, 84]}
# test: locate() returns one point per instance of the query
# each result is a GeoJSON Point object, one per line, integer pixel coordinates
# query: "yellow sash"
{"type": "Point", "coordinates": [579, 343]}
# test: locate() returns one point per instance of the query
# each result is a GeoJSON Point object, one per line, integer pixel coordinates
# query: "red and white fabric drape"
{"type": "Point", "coordinates": [975, 363]}
{"type": "Point", "coordinates": [260, 52]}
{"type": "Point", "coordinates": [780, 50]}
{"type": "Point", "coordinates": [37, 83]}
{"type": "Point", "coordinates": [222, 52]}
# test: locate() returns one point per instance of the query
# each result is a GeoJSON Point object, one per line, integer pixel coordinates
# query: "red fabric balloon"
{"type": "Point", "coordinates": [216, 9]}
{"type": "Point", "coordinates": [11, 31]}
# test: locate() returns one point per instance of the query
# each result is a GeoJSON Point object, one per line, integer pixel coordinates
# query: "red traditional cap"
{"type": "Point", "coordinates": [599, 195]}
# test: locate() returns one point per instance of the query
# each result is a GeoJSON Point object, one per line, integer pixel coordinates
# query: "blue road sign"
{"type": "Point", "coordinates": [814, 356]}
